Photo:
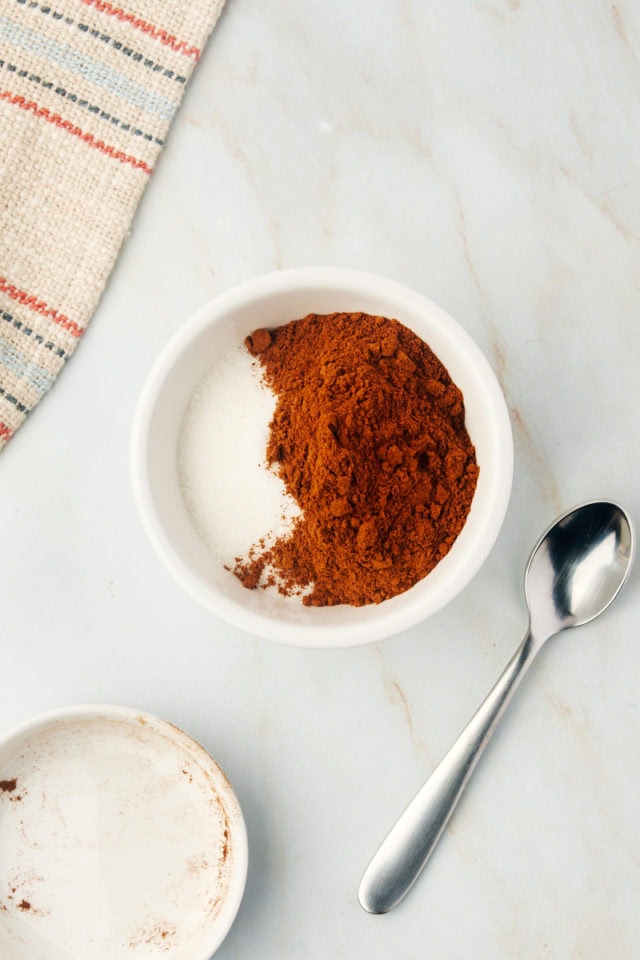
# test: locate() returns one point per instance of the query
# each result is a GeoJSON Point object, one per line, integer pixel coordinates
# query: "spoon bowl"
{"type": "Point", "coordinates": [578, 567]}
{"type": "Point", "coordinates": [574, 572]}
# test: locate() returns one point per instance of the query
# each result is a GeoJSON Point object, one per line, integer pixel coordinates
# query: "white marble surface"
{"type": "Point", "coordinates": [487, 153]}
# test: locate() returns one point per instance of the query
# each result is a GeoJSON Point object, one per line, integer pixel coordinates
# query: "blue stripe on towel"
{"type": "Point", "coordinates": [87, 67]}
{"type": "Point", "coordinates": [26, 369]}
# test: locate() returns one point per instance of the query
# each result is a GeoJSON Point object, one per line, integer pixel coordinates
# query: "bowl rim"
{"type": "Point", "coordinates": [387, 623]}
{"type": "Point", "coordinates": [224, 921]}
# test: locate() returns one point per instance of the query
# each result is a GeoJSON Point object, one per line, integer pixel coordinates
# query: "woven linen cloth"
{"type": "Point", "coordinates": [87, 92]}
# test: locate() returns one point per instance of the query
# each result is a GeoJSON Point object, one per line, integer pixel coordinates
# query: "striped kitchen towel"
{"type": "Point", "coordinates": [88, 89]}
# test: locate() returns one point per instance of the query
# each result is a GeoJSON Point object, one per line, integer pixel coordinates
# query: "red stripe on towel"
{"type": "Point", "coordinates": [169, 39]}
{"type": "Point", "coordinates": [31, 301]}
{"type": "Point", "coordinates": [71, 128]}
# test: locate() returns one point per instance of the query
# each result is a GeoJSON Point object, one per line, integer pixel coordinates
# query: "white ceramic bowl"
{"type": "Point", "coordinates": [217, 328]}
{"type": "Point", "coordinates": [120, 837]}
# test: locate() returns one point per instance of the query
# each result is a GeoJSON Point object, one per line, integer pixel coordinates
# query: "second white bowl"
{"type": "Point", "coordinates": [121, 838]}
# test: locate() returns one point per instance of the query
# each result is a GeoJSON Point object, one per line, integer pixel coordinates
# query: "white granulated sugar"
{"type": "Point", "coordinates": [232, 497]}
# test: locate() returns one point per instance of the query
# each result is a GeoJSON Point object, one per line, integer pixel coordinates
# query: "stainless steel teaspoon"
{"type": "Point", "coordinates": [574, 572]}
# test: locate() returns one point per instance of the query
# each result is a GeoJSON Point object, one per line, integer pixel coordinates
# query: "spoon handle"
{"type": "Point", "coordinates": [406, 849]}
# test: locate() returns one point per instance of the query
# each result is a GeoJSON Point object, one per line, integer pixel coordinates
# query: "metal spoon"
{"type": "Point", "coordinates": [574, 572]}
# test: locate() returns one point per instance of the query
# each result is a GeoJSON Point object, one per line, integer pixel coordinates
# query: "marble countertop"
{"type": "Point", "coordinates": [487, 154]}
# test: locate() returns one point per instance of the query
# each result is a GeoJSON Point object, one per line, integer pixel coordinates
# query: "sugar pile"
{"type": "Point", "coordinates": [233, 499]}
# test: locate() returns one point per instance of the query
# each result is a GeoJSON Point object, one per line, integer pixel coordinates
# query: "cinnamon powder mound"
{"type": "Point", "coordinates": [369, 438]}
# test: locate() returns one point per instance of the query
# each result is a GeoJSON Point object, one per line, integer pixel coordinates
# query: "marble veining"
{"type": "Point", "coordinates": [485, 152]}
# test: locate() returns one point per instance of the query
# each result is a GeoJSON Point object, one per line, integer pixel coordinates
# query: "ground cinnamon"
{"type": "Point", "coordinates": [369, 438]}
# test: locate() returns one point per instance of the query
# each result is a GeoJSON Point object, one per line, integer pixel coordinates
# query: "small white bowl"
{"type": "Point", "coordinates": [221, 325]}
{"type": "Point", "coordinates": [120, 837]}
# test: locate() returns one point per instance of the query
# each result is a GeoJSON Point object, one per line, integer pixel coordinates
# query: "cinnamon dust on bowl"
{"type": "Point", "coordinates": [369, 438]}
